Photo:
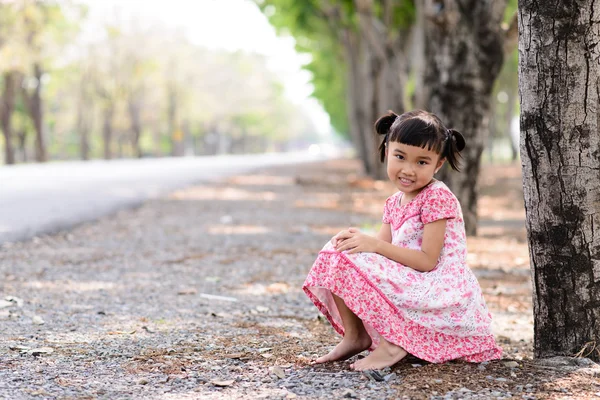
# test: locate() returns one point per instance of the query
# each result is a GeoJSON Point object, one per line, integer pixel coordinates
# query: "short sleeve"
{"type": "Point", "coordinates": [387, 210]}
{"type": "Point", "coordinates": [440, 203]}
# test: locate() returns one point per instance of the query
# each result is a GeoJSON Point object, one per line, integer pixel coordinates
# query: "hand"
{"type": "Point", "coordinates": [354, 241]}
{"type": "Point", "coordinates": [337, 239]}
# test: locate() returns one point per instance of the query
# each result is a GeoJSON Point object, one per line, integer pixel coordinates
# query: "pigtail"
{"type": "Point", "coordinates": [382, 127]}
{"type": "Point", "coordinates": [455, 143]}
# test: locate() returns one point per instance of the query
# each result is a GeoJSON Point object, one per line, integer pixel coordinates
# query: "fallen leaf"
{"type": "Point", "coordinates": [5, 304]}
{"type": "Point", "coordinates": [187, 291]}
{"type": "Point", "coordinates": [13, 301]}
{"type": "Point", "coordinates": [22, 349]}
{"type": "Point", "coordinates": [223, 383]}
{"type": "Point", "coordinates": [40, 351]}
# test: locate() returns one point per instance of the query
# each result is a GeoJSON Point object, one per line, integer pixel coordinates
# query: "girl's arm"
{"type": "Point", "coordinates": [385, 233]}
{"type": "Point", "coordinates": [423, 260]}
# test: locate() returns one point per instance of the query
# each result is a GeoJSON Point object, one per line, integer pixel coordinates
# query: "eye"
{"type": "Point", "coordinates": [423, 162]}
{"type": "Point", "coordinates": [399, 156]}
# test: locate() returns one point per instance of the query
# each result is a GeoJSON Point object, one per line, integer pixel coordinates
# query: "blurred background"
{"type": "Point", "coordinates": [106, 79]}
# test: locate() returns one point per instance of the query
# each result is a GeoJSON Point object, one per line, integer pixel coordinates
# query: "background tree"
{"type": "Point", "coordinates": [559, 74]}
{"type": "Point", "coordinates": [364, 39]}
{"type": "Point", "coordinates": [464, 52]}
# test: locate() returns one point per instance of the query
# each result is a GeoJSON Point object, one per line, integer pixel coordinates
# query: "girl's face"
{"type": "Point", "coordinates": [411, 168]}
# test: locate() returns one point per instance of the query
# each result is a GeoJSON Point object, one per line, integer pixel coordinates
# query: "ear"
{"type": "Point", "coordinates": [439, 165]}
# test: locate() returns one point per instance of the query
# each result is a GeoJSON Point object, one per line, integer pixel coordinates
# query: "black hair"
{"type": "Point", "coordinates": [423, 129]}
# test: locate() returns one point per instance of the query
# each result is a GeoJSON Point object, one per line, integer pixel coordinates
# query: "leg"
{"type": "Point", "coordinates": [385, 355]}
{"type": "Point", "coordinates": [356, 338]}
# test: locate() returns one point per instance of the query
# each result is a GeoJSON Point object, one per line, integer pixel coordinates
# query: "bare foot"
{"type": "Point", "coordinates": [347, 348]}
{"type": "Point", "coordinates": [385, 355]}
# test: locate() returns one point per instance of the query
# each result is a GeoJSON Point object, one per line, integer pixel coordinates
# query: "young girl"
{"type": "Point", "coordinates": [409, 289]}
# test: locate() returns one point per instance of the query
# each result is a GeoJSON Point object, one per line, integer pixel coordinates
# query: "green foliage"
{"type": "Point", "coordinates": [317, 33]}
{"type": "Point", "coordinates": [307, 23]}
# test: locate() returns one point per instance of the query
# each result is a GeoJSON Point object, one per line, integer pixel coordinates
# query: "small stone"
{"type": "Point", "coordinates": [496, 394]}
{"type": "Point", "coordinates": [223, 383]}
{"type": "Point", "coordinates": [277, 371]}
{"type": "Point", "coordinates": [37, 320]}
{"type": "Point", "coordinates": [349, 393]}
{"type": "Point", "coordinates": [143, 382]}
{"type": "Point", "coordinates": [373, 375]}
{"type": "Point", "coordinates": [511, 364]}
{"type": "Point", "coordinates": [501, 380]}
{"type": "Point", "coordinates": [389, 377]}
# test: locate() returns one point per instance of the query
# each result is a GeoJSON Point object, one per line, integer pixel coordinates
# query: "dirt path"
{"type": "Point", "coordinates": [198, 296]}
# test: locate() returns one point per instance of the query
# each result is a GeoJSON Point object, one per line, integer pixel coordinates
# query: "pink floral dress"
{"type": "Point", "coordinates": [436, 316]}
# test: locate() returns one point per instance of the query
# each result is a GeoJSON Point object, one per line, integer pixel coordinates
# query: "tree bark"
{"type": "Point", "coordinates": [136, 127]}
{"type": "Point", "coordinates": [34, 105]}
{"type": "Point", "coordinates": [385, 73]}
{"type": "Point", "coordinates": [8, 107]}
{"type": "Point", "coordinates": [83, 121]}
{"type": "Point", "coordinates": [464, 52]}
{"type": "Point", "coordinates": [560, 148]}
{"type": "Point", "coordinates": [107, 130]}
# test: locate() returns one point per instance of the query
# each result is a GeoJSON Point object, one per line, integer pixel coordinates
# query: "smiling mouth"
{"type": "Point", "coordinates": [406, 181]}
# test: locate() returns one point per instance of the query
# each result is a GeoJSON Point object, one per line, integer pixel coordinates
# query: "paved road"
{"type": "Point", "coordinates": [36, 199]}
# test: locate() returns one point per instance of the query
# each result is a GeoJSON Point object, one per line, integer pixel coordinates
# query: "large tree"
{"type": "Point", "coordinates": [560, 148]}
{"type": "Point", "coordinates": [465, 43]}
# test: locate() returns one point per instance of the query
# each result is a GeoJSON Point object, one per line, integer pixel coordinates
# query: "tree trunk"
{"type": "Point", "coordinates": [8, 107]}
{"type": "Point", "coordinates": [22, 144]}
{"type": "Point", "coordinates": [560, 150]}
{"type": "Point", "coordinates": [384, 73]}
{"type": "Point", "coordinates": [107, 130]}
{"type": "Point", "coordinates": [34, 105]}
{"type": "Point", "coordinates": [136, 128]}
{"type": "Point", "coordinates": [352, 46]}
{"type": "Point", "coordinates": [84, 135]}
{"type": "Point", "coordinates": [83, 125]}
{"type": "Point", "coordinates": [464, 52]}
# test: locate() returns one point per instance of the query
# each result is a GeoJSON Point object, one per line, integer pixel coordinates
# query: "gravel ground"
{"type": "Point", "coordinates": [198, 296]}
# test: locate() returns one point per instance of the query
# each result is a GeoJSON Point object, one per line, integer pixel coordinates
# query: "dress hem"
{"type": "Point", "coordinates": [439, 347]}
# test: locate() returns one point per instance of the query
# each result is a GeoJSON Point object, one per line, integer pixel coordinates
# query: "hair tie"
{"type": "Point", "coordinates": [448, 134]}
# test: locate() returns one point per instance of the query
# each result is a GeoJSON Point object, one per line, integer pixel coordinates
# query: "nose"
{"type": "Point", "coordinates": [407, 169]}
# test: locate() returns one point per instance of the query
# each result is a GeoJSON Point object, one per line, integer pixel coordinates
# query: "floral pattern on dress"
{"type": "Point", "coordinates": [438, 315]}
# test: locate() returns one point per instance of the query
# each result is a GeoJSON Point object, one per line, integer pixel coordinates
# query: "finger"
{"type": "Point", "coordinates": [353, 229]}
{"type": "Point", "coordinates": [343, 246]}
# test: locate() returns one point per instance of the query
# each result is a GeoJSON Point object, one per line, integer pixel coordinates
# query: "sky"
{"type": "Point", "coordinates": [222, 24]}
